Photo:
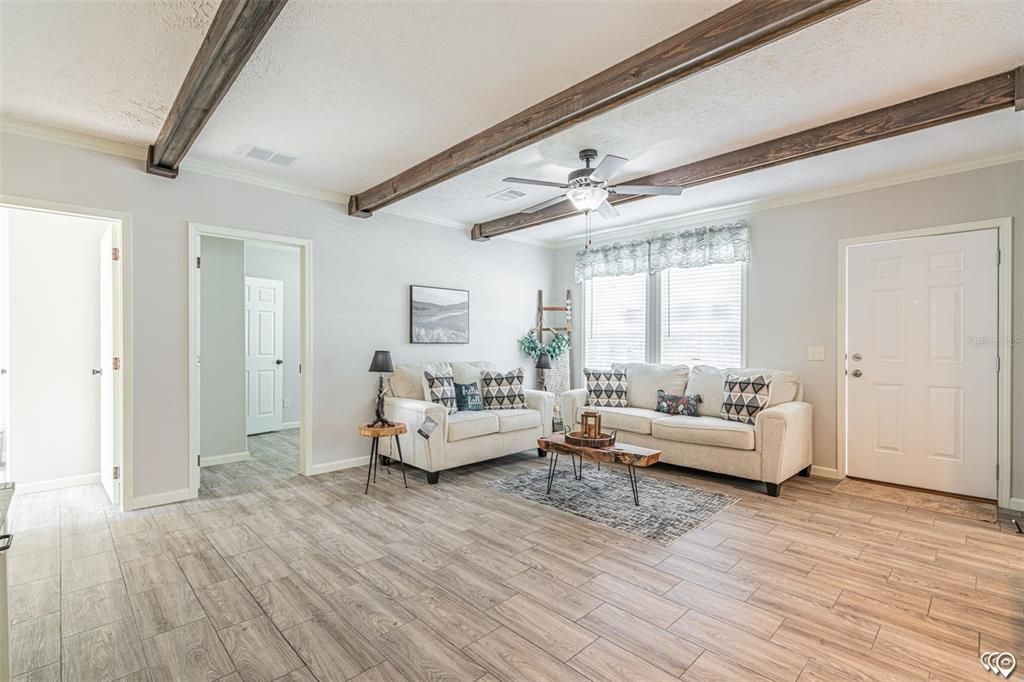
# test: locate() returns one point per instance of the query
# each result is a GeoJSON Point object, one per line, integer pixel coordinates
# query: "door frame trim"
{"type": "Point", "coordinates": [305, 249]}
{"type": "Point", "coordinates": [123, 342]}
{"type": "Point", "coordinates": [1004, 226]}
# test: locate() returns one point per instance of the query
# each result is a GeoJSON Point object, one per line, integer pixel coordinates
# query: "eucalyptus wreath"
{"type": "Point", "coordinates": [534, 348]}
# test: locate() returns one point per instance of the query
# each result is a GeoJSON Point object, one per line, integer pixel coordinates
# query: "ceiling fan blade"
{"type": "Point", "coordinates": [608, 167]}
{"type": "Point", "coordinates": [540, 183]}
{"type": "Point", "coordinates": [607, 211]}
{"type": "Point", "coordinates": [544, 204]}
{"type": "Point", "coordinates": [667, 190]}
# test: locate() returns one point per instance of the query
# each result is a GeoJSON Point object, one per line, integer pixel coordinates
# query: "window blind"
{"type": "Point", "coordinates": [702, 315]}
{"type": "Point", "coordinates": [616, 320]}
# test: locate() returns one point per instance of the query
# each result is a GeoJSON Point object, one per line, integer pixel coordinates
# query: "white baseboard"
{"type": "Point", "coordinates": [338, 465]}
{"type": "Point", "coordinates": [56, 483]}
{"type": "Point", "coordinates": [290, 425]}
{"type": "Point", "coordinates": [158, 499]}
{"type": "Point", "coordinates": [825, 472]}
{"type": "Point", "coordinates": [1017, 504]}
{"type": "Point", "coordinates": [225, 458]}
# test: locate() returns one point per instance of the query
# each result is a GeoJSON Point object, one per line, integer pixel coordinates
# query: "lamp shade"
{"type": "Point", "coordinates": [543, 361]}
{"type": "Point", "coordinates": [381, 361]}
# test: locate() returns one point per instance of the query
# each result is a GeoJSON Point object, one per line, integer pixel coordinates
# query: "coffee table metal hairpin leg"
{"type": "Point", "coordinates": [633, 483]}
{"type": "Point", "coordinates": [578, 475]}
{"type": "Point", "coordinates": [552, 464]}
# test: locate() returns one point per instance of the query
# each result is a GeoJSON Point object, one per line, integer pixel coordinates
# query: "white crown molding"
{"type": "Point", "coordinates": [224, 172]}
{"type": "Point", "coordinates": [463, 227]}
{"type": "Point", "coordinates": [759, 205]}
{"type": "Point", "coordinates": [47, 133]}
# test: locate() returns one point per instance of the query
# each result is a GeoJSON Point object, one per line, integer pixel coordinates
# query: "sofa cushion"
{"type": "Point", "coordinates": [785, 384]}
{"type": "Point", "coordinates": [407, 381]}
{"type": "Point", "coordinates": [440, 389]}
{"type": "Point", "coordinates": [705, 431]}
{"type": "Point", "coordinates": [676, 404]}
{"type": "Point", "coordinates": [503, 390]}
{"type": "Point", "coordinates": [709, 383]}
{"type": "Point", "coordinates": [745, 397]}
{"type": "Point", "coordinates": [644, 380]}
{"type": "Point", "coordinates": [463, 425]}
{"type": "Point", "coordinates": [516, 420]}
{"type": "Point", "coordinates": [468, 398]}
{"type": "Point", "coordinates": [469, 372]}
{"type": "Point", "coordinates": [632, 419]}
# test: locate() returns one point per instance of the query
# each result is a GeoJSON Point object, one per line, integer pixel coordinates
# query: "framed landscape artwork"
{"type": "Point", "coordinates": [438, 315]}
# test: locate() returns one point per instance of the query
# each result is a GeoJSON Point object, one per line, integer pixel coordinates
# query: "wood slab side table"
{"type": "Point", "coordinates": [376, 433]}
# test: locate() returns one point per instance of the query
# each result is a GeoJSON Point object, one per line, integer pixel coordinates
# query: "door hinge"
{"type": "Point", "coordinates": [115, 253]}
{"type": "Point", "coordinates": [117, 363]}
{"type": "Point", "coordinates": [198, 459]}
{"type": "Point", "coordinates": [999, 364]}
{"type": "Point", "coordinates": [198, 261]}
{"type": "Point", "coordinates": [117, 473]}
{"type": "Point", "coordinates": [999, 256]}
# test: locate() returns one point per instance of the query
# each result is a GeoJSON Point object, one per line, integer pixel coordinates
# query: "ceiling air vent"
{"type": "Point", "coordinates": [270, 156]}
{"type": "Point", "coordinates": [507, 195]}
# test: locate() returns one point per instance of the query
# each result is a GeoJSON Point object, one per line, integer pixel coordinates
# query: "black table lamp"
{"type": "Point", "coordinates": [381, 364]}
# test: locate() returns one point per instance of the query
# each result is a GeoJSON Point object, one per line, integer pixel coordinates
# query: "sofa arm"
{"type": "Point", "coordinates": [571, 402]}
{"type": "Point", "coordinates": [784, 438]}
{"type": "Point", "coordinates": [543, 402]}
{"type": "Point", "coordinates": [426, 454]}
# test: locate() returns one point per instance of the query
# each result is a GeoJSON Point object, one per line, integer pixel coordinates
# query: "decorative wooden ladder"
{"type": "Point", "coordinates": [541, 328]}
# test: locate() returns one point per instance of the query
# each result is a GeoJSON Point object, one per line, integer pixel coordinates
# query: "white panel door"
{"type": "Point", "coordinates": [105, 363]}
{"type": "Point", "coordinates": [922, 326]}
{"type": "Point", "coordinates": [264, 354]}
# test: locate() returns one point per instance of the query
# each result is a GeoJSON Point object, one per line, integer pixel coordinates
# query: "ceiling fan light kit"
{"type": "Point", "coordinates": [587, 188]}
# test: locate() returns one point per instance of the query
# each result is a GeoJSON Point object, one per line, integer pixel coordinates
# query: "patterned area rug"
{"type": "Point", "coordinates": [667, 510]}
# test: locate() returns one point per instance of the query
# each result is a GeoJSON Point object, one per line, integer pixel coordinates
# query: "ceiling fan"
{"type": "Point", "coordinates": [587, 188]}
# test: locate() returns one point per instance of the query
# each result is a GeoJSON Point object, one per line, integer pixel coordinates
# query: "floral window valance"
{"type": "Point", "coordinates": [694, 248]}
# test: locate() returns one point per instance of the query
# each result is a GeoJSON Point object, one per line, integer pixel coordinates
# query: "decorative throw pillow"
{"type": "Point", "coordinates": [745, 397]}
{"type": "Point", "coordinates": [468, 398]}
{"type": "Point", "coordinates": [503, 390]}
{"type": "Point", "coordinates": [677, 404]}
{"type": "Point", "coordinates": [440, 389]}
{"type": "Point", "coordinates": [606, 388]}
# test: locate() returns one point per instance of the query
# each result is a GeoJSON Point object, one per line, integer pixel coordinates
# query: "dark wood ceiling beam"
{"type": "Point", "coordinates": [734, 31]}
{"type": "Point", "coordinates": [963, 101]}
{"type": "Point", "coordinates": [236, 31]}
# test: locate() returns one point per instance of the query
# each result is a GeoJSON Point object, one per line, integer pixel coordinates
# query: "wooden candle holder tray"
{"type": "Point", "coordinates": [605, 440]}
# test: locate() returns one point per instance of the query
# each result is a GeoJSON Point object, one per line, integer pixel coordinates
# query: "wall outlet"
{"type": "Point", "coordinates": [287, 403]}
{"type": "Point", "coordinates": [816, 353]}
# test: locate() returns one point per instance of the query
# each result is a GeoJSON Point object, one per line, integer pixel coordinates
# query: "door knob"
{"type": "Point", "coordinates": [278, 362]}
{"type": "Point", "coordinates": [97, 371]}
{"type": "Point", "coordinates": [857, 356]}
{"type": "Point", "coordinates": [857, 373]}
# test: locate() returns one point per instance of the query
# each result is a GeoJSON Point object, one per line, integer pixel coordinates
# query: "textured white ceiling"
{"type": "Point", "coordinates": [109, 69]}
{"type": "Point", "coordinates": [879, 53]}
{"type": "Point", "coordinates": [360, 91]}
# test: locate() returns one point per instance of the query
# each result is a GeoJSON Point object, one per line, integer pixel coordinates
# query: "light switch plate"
{"type": "Point", "coordinates": [816, 353]}
{"type": "Point", "coordinates": [287, 402]}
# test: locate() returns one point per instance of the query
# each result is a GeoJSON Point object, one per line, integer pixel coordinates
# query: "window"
{"type": "Point", "coordinates": [702, 315]}
{"type": "Point", "coordinates": [616, 320]}
{"type": "Point", "coordinates": [695, 317]}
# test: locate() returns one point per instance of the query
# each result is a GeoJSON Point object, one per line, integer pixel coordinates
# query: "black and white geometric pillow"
{"type": "Point", "coordinates": [745, 397]}
{"type": "Point", "coordinates": [606, 388]}
{"type": "Point", "coordinates": [440, 389]}
{"type": "Point", "coordinates": [503, 390]}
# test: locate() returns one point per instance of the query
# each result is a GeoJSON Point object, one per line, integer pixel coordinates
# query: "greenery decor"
{"type": "Point", "coordinates": [532, 347]}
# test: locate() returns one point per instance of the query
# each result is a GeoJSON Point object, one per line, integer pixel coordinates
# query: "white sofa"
{"type": "Point", "coordinates": [772, 450]}
{"type": "Point", "coordinates": [463, 437]}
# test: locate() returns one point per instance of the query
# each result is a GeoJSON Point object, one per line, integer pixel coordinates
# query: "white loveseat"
{"type": "Point", "coordinates": [772, 450]}
{"type": "Point", "coordinates": [463, 437]}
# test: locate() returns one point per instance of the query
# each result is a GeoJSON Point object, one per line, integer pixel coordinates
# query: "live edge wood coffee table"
{"type": "Point", "coordinates": [621, 453]}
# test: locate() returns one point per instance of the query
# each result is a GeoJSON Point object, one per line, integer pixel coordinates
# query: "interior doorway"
{"type": "Point", "coordinates": [63, 359]}
{"type": "Point", "coordinates": [249, 346]}
{"type": "Point", "coordinates": [924, 384]}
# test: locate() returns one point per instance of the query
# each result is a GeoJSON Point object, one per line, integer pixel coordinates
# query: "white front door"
{"type": "Point", "coordinates": [922, 326]}
{"type": "Point", "coordinates": [105, 363]}
{"type": "Point", "coordinates": [264, 354]}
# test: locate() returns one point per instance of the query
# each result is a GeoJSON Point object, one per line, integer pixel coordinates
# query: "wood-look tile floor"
{"type": "Point", "coordinates": [272, 576]}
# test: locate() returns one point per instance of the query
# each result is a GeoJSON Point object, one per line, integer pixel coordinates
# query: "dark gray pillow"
{"type": "Point", "coordinates": [468, 398]}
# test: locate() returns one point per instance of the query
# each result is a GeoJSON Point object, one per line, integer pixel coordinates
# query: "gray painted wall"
{"type": "Point", "coordinates": [222, 348]}
{"type": "Point", "coordinates": [362, 270]}
{"type": "Point", "coordinates": [282, 264]}
{"type": "Point", "coordinates": [791, 283]}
